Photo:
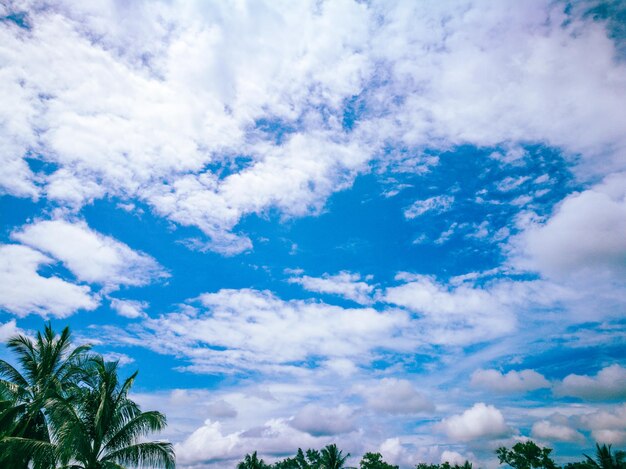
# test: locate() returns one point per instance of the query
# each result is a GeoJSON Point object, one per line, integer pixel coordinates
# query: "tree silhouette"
{"type": "Point", "coordinates": [251, 461]}
{"type": "Point", "coordinates": [99, 426]}
{"type": "Point", "coordinates": [374, 461]}
{"type": "Point", "coordinates": [606, 459]}
{"type": "Point", "coordinates": [332, 458]}
{"type": "Point", "coordinates": [526, 455]}
{"type": "Point", "coordinates": [49, 368]}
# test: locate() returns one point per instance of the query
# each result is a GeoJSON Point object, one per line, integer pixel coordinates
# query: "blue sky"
{"type": "Point", "coordinates": [400, 227]}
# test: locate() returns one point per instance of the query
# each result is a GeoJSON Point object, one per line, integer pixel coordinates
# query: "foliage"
{"type": "Point", "coordinates": [308, 460]}
{"type": "Point", "coordinates": [606, 459]}
{"type": "Point", "coordinates": [251, 461]}
{"type": "Point", "coordinates": [526, 455]}
{"type": "Point", "coordinates": [374, 461]}
{"type": "Point", "coordinates": [332, 457]}
{"type": "Point", "coordinates": [577, 465]}
{"type": "Point", "coordinates": [444, 465]}
{"type": "Point", "coordinates": [68, 408]}
{"type": "Point", "coordinates": [49, 368]}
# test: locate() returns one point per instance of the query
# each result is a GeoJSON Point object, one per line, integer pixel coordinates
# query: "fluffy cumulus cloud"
{"type": "Point", "coordinates": [481, 421]}
{"type": "Point", "coordinates": [457, 314]}
{"type": "Point", "coordinates": [320, 421]}
{"type": "Point", "coordinates": [544, 429]}
{"type": "Point", "coordinates": [584, 239]}
{"type": "Point", "coordinates": [24, 291]}
{"type": "Point", "coordinates": [135, 114]}
{"type": "Point", "coordinates": [89, 255]}
{"type": "Point", "coordinates": [210, 444]}
{"type": "Point", "coordinates": [608, 384]}
{"type": "Point", "coordinates": [206, 444]}
{"type": "Point", "coordinates": [8, 330]}
{"type": "Point", "coordinates": [607, 425]}
{"type": "Point", "coordinates": [234, 330]}
{"type": "Point", "coordinates": [394, 396]}
{"type": "Point", "coordinates": [213, 119]}
{"type": "Point", "coordinates": [148, 123]}
{"type": "Point", "coordinates": [453, 458]}
{"type": "Point", "coordinates": [131, 309]}
{"type": "Point", "coordinates": [513, 381]}
{"type": "Point", "coordinates": [346, 284]}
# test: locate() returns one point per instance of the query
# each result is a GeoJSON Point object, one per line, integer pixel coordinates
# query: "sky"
{"type": "Point", "coordinates": [396, 226]}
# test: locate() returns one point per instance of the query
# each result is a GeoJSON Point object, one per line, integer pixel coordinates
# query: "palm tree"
{"type": "Point", "coordinates": [252, 461]}
{"type": "Point", "coordinates": [607, 459]}
{"type": "Point", "coordinates": [99, 427]}
{"type": "Point", "coordinates": [332, 458]}
{"type": "Point", "coordinates": [50, 368]}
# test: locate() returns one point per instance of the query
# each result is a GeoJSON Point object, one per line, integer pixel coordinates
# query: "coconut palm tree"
{"type": "Point", "coordinates": [607, 459]}
{"type": "Point", "coordinates": [49, 368]}
{"type": "Point", "coordinates": [252, 461]}
{"type": "Point", "coordinates": [99, 427]}
{"type": "Point", "coordinates": [332, 458]}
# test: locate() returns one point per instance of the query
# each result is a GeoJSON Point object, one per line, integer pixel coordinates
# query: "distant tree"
{"type": "Point", "coordinates": [577, 465]}
{"type": "Point", "coordinates": [606, 459]}
{"type": "Point", "coordinates": [423, 465]}
{"type": "Point", "coordinates": [308, 460]}
{"type": "Point", "coordinates": [526, 455]}
{"type": "Point", "coordinates": [375, 461]}
{"type": "Point", "coordinates": [444, 465]}
{"type": "Point", "coordinates": [252, 461]}
{"type": "Point", "coordinates": [332, 458]}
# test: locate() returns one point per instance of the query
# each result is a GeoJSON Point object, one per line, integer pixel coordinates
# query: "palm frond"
{"type": "Point", "coordinates": [142, 424]}
{"type": "Point", "coordinates": [12, 375]}
{"type": "Point", "coordinates": [153, 454]}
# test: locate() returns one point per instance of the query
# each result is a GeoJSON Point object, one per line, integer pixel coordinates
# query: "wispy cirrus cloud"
{"type": "Point", "coordinates": [609, 383]}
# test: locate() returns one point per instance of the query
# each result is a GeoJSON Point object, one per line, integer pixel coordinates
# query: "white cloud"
{"type": "Point", "coordinates": [459, 314]}
{"type": "Point", "coordinates": [453, 458]}
{"type": "Point", "coordinates": [346, 284]}
{"type": "Point", "coordinates": [394, 396]}
{"type": "Point", "coordinates": [609, 437]}
{"type": "Point", "coordinates": [608, 383]}
{"type": "Point", "coordinates": [207, 443]}
{"type": "Point", "coordinates": [124, 104]}
{"type": "Point", "coordinates": [607, 425]}
{"type": "Point", "coordinates": [395, 452]}
{"type": "Point", "coordinates": [485, 92]}
{"type": "Point", "coordinates": [544, 429]}
{"type": "Point", "coordinates": [321, 421]}
{"type": "Point", "coordinates": [440, 203]}
{"type": "Point", "coordinates": [584, 239]}
{"type": "Point", "coordinates": [250, 329]}
{"type": "Point", "coordinates": [479, 422]}
{"type": "Point", "coordinates": [8, 330]}
{"type": "Point", "coordinates": [511, 183]}
{"type": "Point", "coordinates": [91, 256]}
{"type": "Point", "coordinates": [131, 309]}
{"type": "Point", "coordinates": [513, 381]}
{"type": "Point", "coordinates": [23, 291]}
{"type": "Point", "coordinates": [221, 409]}
{"type": "Point", "coordinates": [121, 358]}
{"type": "Point", "coordinates": [144, 124]}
